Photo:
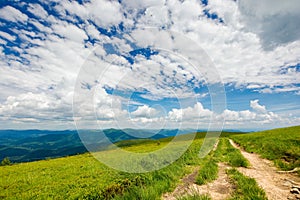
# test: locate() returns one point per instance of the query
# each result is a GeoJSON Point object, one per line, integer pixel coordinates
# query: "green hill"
{"type": "Point", "coordinates": [280, 145]}
{"type": "Point", "coordinates": [84, 177]}
{"type": "Point", "coordinates": [33, 145]}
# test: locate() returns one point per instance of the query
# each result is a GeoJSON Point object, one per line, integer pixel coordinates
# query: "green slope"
{"type": "Point", "coordinates": [83, 177]}
{"type": "Point", "coordinates": [280, 145]}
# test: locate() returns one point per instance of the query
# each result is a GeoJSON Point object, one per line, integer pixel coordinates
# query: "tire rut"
{"type": "Point", "coordinates": [218, 189]}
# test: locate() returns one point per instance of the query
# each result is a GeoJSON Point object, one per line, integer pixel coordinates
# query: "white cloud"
{"type": "Point", "coordinates": [238, 53]}
{"type": "Point", "coordinates": [107, 107]}
{"type": "Point", "coordinates": [37, 10]}
{"type": "Point", "coordinates": [156, 16]}
{"type": "Point", "coordinates": [258, 117]}
{"type": "Point", "coordinates": [7, 36]}
{"type": "Point", "coordinates": [11, 14]}
{"type": "Point", "coordinates": [257, 107]}
{"type": "Point", "coordinates": [104, 13]}
{"type": "Point", "coordinates": [190, 113]}
{"type": "Point", "coordinates": [136, 4]}
{"type": "Point", "coordinates": [251, 49]}
{"type": "Point", "coordinates": [36, 106]}
{"type": "Point", "coordinates": [144, 112]}
{"type": "Point", "coordinates": [226, 44]}
{"type": "Point", "coordinates": [70, 31]}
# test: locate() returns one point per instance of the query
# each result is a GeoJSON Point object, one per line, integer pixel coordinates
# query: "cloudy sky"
{"type": "Point", "coordinates": [149, 64]}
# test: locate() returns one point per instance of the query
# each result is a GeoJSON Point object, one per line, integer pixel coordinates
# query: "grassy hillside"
{"type": "Point", "coordinates": [33, 145]}
{"type": "Point", "coordinates": [280, 145]}
{"type": "Point", "coordinates": [83, 177]}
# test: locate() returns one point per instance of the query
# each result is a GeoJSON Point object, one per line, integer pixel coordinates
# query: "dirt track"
{"type": "Point", "coordinates": [277, 186]}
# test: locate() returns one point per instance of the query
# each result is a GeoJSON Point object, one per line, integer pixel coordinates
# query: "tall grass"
{"type": "Point", "coordinates": [227, 153]}
{"type": "Point", "coordinates": [224, 153]}
{"type": "Point", "coordinates": [246, 188]}
{"type": "Point", "coordinates": [195, 197]}
{"type": "Point", "coordinates": [208, 172]}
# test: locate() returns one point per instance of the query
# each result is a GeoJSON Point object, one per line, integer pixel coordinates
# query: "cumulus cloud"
{"type": "Point", "coordinates": [107, 107]}
{"type": "Point", "coordinates": [257, 107]}
{"type": "Point", "coordinates": [12, 14]}
{"type": "Point", "coordinates": [228, 44]}
{"type": "Point", "coordinates": [103, 13]}
{"type": "Point", "coordinates": [40, 107]}
{"type": "Point", "coordinates": [259, 116]}
{"type": "Point", "coordinates": [70, 31]}
{"type": "Point", "coordinates": [7, 36]}
{"type": "Point", "coordinates": [144, 112]}
{"type": "Point", "coordinates": [37, 10]}
{"type": "Point", "coordinates": [190, 113]}
{"type": "Point", "coordinates": [233, 119]}
{"type": "Point", "coordinates": [255, 46]}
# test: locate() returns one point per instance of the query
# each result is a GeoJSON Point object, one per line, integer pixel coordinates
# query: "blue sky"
{"type": "Point", "coordinates": [57, 55]}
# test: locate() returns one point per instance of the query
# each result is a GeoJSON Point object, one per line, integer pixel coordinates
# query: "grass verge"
{"type": "Point", "coordinates": [246, 188]}
{"type": "Point", "coordinates": [208, 172]}
{"type": "Point", "coordinates": [83, 177]}
{"type": "Point", "coordinates": [224, 153]}
{"type": "Point", "coordinates": [279, 145]}
{"type": "Point", "coordinates": [227, 153]}
{"type": "Point", "coordinates": [195, 197]}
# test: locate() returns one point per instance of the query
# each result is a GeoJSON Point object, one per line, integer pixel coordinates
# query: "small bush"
{"type": "Point", "coordinates": [5, 161]}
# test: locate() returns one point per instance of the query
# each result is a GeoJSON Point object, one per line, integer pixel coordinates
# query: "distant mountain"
{"type": "Point", "coordinates": [29, 133]}
{"type": "Point", "coordinates": [31, 145]}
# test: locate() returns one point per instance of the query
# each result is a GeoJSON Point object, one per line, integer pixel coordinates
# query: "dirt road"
{"type": "Point", "coordinates": [277, 186]}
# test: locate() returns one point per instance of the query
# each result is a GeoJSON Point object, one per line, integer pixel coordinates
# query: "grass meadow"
{"type": "Point", "coordinates": [84, 177]}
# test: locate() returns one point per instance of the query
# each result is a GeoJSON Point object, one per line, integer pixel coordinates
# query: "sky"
{"type": "Point", "coordinates": [149, 64]}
